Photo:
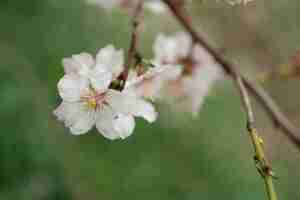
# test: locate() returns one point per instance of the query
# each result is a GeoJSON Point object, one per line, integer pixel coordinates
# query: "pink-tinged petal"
{"type": "Point", "coordinates": [197, 87]}
{"type": "Point", "coordinates": [149, 85]}
{"type": "Point", "coordinates": [71, 87]}
{"type": "Point", "coordinates": [130, 104]}
{"type": "Point", "coordinates": [110, 59]}
{"type": "Point", "coordinates": [168, 72]}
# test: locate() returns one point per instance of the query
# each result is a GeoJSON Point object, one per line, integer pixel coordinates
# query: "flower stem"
{"type": "Point", "coordinates": [132, 51]}
{"type": "Point", "coordinates": [271, 190]}
{"type": "Point", "coordinates": [261, 163]}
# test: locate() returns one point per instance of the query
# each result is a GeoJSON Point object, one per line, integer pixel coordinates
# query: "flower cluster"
{"type": "Point", "coordinates": [181, 74]}
{"type": "Point", "coordinates": [89, 99]}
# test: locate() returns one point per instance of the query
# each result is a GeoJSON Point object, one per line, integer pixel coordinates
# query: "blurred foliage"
{"type": "Point", "coordinates": [179, 157]}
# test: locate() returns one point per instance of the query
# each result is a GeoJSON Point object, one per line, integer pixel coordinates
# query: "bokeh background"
{"type": "Point", "coordinates": [178, 157]}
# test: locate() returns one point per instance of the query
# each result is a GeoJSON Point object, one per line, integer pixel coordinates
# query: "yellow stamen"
{"type": "Point", "coordinates": [92, 103]}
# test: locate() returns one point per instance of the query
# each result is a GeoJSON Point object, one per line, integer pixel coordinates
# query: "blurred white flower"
{"type": "Point", "coordinates": [189, 72]}
{"type": "Point", "coordinates": [171, 49]}
{"type": "Point", "coordinates": [197, 85]}
{"type": "Point", "coordinates": [88, 100]}
{"type": "Point", "coordinates": [237, 2]}
{"type": "Point", "coordinates": [149, 84]}
{"type": "Point", "coordinates": [156, 6]}
{"type": "Point", "coordinates": [107, 4]}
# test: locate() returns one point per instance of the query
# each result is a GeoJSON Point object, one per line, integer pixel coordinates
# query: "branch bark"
{"type": "Point", "coordinates": [265, 100]}
{"type": "Point", "coordinates": [132, 51]}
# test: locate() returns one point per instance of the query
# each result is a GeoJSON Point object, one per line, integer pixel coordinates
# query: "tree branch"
{"type": "Point", "coordinates": [266, 101]}
{"type": "Point", "coordinates": [262, 165]}
{"type": "Point", "coordinates": [132, 51]}
{"type": "Point", "coordinates": [274, 112]}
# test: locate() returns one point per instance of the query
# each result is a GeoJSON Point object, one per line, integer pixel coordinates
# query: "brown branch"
{"type": "Point", "coordinates": [266, 101]}
{"type": "Point", "coordinates": [274, 111]}
{"type": "Point", "coordinates": [132, 51]}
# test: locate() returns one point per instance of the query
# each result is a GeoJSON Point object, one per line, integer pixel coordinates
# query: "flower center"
{"type": "Point", "coordinates": [189, 65]}
{"type": "Point", "coordinates": [92, 103]}
{"type": "Point", "coordinates": [93, 99]}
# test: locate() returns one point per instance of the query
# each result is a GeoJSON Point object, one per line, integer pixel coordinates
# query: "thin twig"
{"type": "Point", "coordinates": [132, 51]}
{"type": "Point", "coordinates": [266, 101]}
{"type": "Point", "coordinates": [274, 111]}
{"type": "Point", "coordinates": [262, 165]}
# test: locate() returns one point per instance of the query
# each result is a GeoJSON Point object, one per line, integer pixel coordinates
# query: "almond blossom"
{"type": "Point", "coordinates": [186, 73]}
{"type": "Point", "coordinates": [149, 84]}
{"type": "Point", "coordinates": [88, 99]}
{"type": "Point", "coordinates": [199, 70]}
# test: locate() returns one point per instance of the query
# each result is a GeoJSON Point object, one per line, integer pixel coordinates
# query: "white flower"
{"type": "Point", "coordinates": [149, 84]}
{"type": "Point", "coordinates": [170, 49]}
{"type": "Point", "coordinates": [156, 6]}
{"type": "Point", "coordinates": [88, 100]}
{"type": "Point", "coordinates": [108, 59]}
{"type": "Point", "coordinates": [237, 2]}
{"type": "Point", "coordinates": [197, 77]}
{"type": "Point", "coordinates": [107, 4]}
{"type": "Point", "coordinates": [198, 85]}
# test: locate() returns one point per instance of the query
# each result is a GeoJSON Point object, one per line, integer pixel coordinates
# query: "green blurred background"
{"type": "Point", "coordinates": [178, 157]}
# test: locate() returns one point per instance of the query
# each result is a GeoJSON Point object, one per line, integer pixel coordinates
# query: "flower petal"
{"type": "Point", "coordinates": [149, 85]}
{"type": "Point", "coordinates": [104, 3]}
{"type": "Point", "coordinates": [78, 63]}
{"type": "Point", "coordinates": [160, 48]}
{"type": "Point", "coordinates": [198, 86]}
{"type": "Point", "coordinates": [124, 125]}
{"type": "Point", "coordinates": [70, 66]}
{"type": "Point", "coordinates": [104, 122]}
{"type": "Point", "coordinates": [64, 111]}
{"type": "Point", "coordinates": [100, 79]}
{"type": "Point", "coordinates": [85, 60]}
{"type": "Point", "coordinates": [71, 87]}
{"type": "Point", "coordinates": [184, 44]}
{"type": "Point", "coordinates": [128, 103]}
{"type": "Point", "coordinates": [156, 7]}
{"type": "Point", "coordinates": [110, 59]}
{"type": "Point", "coordinates": [84, 121]}
{"type": "Point", "coordinates": [169, 49]}
{"type": "Point", "coordinates": [76, 116]}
